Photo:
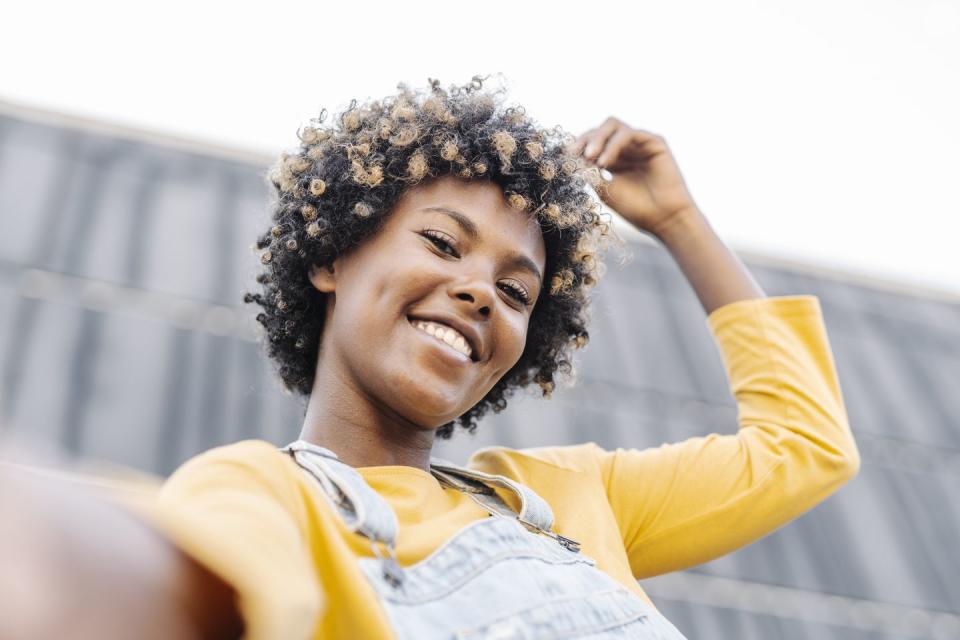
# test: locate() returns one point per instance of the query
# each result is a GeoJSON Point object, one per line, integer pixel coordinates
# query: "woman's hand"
{"type": "Point", "coordinates": [647, 188]}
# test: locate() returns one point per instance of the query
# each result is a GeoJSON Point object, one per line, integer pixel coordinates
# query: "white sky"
{"type": "Point", "coordinates": [826, 131]}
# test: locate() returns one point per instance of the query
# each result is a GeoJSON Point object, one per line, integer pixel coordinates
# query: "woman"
{"type": "Point", "coordinates": [430, 254]}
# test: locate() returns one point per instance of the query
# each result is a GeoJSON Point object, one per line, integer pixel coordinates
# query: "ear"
{"type": "Point", "coordinates": [324, 279]}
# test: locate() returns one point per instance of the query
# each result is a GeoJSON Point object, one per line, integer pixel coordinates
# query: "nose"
{"type": "Point", "coordinates": [475, 295]}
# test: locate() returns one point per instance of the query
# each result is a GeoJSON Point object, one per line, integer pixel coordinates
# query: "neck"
{"type": "Point", "coordinates": [344, 419]}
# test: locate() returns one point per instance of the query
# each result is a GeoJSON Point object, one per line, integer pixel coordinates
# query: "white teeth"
{"type": "Point", "coordinates": [445, 334]}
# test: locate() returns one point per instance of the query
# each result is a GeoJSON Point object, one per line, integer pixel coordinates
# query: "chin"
{"type": "Point", "coordinates": [427, 408]}
{"type": "Point", "coordinates": [431, 421]}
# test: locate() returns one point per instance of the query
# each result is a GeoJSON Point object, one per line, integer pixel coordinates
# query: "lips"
{"type": "Point", "coordinates": [453, 331]}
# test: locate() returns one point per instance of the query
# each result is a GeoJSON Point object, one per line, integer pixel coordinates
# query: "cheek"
{"type": "Point", "coordinates": [514, 338]}
{"type": "Point", "coordinates": [412, 270]}
{"type": "Point", "coordinates": [387, 285]}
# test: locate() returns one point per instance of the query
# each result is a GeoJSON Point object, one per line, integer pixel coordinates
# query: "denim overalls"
{"type": "Point", "coordinates": [506, 576]}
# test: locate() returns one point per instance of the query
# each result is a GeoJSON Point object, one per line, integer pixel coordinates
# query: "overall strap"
{"type": "Point", "coordinates": [535, 513]}
{"type": "Point", "coordinates": [363, 510]}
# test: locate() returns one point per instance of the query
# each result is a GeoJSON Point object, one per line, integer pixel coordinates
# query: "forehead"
{"type": "Point", "coordinates": [486, 206]}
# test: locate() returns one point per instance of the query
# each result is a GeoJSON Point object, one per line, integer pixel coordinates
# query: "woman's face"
{"type": "Point", "coordinates": [429, 313]}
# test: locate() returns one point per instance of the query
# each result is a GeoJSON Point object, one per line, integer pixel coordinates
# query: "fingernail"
{"type": "Point", "coordinates": [590, 150]}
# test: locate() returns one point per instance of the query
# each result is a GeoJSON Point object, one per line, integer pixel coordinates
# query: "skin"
{"type": "Point", "coordinates": [648, 190]}
{"type": "Point", "coordinates": [77, 566]}
{"type": "Point", "coordinates": [381, 388]}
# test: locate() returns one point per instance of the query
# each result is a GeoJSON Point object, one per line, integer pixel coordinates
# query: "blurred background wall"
{"type": "Point", "coordinates": [123, 258]}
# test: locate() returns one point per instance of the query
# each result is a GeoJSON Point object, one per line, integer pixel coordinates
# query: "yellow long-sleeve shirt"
{"type": "Point", "coordinates": [251, 515]}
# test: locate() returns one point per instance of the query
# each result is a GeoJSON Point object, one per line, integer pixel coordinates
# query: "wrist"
{"type": "Point", "coordinates": [681, 226]}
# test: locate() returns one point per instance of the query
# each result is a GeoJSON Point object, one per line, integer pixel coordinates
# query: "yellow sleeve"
{"type": "Point", "coordinates": [682, 504]}
{"type": "Point", "coordinates": [235, 510]}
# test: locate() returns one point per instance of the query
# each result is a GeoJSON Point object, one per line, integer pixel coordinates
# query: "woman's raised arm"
{"type": "Point", "coordinates": [682, 504]}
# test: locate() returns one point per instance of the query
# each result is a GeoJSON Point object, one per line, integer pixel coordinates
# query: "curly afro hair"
{"type": "Point", "coordinates": [345, 177]}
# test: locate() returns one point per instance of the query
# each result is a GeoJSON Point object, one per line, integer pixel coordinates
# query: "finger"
{"type": "Point", "coordinates": [576, 148]}
{"type": "Point", "coordinates": [603, 191]}
{"type": "Point", "coordinates": [598, 139]}
{"type": "Point", "coordinates": [642, 146]}
{"type": "Point", "coordinates": [614, 147]}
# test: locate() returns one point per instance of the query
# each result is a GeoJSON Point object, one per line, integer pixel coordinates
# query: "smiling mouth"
{"type": "Point", "coordinates": [446, 336]}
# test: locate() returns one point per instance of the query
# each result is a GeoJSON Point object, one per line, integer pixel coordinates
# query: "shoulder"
{"type": "Point", "coordinates": [569, 478]}
{"type": "Point", "coordinates": [248, 464]}
{"type": "Point", "coordinates": [580, 458]}
{"type": "Point", "coordinates": [249, 454]}
{"type": "Point", "coordinates": [244, 450]}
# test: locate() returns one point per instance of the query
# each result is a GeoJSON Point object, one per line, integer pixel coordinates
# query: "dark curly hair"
{"type": "Point", "coordinates": [344, 179]}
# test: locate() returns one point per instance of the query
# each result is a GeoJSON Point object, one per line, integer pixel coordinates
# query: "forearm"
{"type": "Point", "coordinates": [79, 566]}
{"type": "Point", "coordinates": [717, 275]}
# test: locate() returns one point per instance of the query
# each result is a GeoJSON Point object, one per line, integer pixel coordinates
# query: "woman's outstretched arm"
{"type": "Point", "coordinates": [78, 566]}
{"type": "Point", "coordinates": [648, 190]}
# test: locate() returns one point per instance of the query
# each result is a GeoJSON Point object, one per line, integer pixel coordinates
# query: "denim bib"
{"type": "Point", "coordinates": [505, 576]}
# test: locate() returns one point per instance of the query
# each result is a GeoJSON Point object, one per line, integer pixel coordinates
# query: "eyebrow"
{"type": "Point", "coordinates": [470, 228]}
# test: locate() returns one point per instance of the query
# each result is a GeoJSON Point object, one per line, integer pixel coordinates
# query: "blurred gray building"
{"type": "Point", "coordinates": [123, 258]}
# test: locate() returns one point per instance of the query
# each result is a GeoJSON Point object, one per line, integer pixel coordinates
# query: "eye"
{"type": "Point", "coordinates": [516, 292]}
{"type": "Point", "coordinates": [441, 241]}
